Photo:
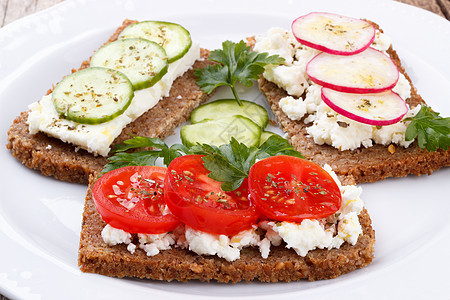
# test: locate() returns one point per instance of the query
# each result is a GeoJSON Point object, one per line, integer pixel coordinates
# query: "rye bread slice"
{"type": "Point", "coordinates": [283, 264]}
{"type": "Point", "coordinates": [364, 164]}
{"type": "Point", "coordinates": [68, 163]}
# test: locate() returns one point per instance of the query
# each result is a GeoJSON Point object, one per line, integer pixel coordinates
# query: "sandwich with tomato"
{"type": "Point", "coordinates": [224, 213]}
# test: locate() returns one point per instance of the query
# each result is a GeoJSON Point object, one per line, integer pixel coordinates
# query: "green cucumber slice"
{"type": "Point", "coordinates": [174, 38]}
{"type": "Point", "coordinates": [142, 61]}
{"type": "Point", "coordinates": [229, 107]}
{"type": "Point", "coordinates": [218, 132]}
{"type": "Point", "coordinates": [264, 136]}
{"type": "Point", "coordinates": [93, 95]}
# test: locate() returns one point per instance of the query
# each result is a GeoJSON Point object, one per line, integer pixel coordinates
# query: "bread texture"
{"type": "Point", "coordinates": [364, 164]}
{"type": "Point", "coordinates": [66, 162]}
{"type": "Point", "coordinates": [182, 265]}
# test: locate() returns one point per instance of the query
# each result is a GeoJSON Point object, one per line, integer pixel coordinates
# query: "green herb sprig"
{"type": "Point", "coordinates": [228, 163]}
{"type": "Point", "coordinates": [121, 158]}
{"type": "Point", "coordinates": [235, 62]}
{"type": "Point", "coordinates": [431, 130]}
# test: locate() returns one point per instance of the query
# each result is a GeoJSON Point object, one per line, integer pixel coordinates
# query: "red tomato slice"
{"type": "Point", "coordinates": [132, 199]}
{"type": "Point", "coordinates": [287, 188]}
{"type": "Point", "coordinates": [199, 202]}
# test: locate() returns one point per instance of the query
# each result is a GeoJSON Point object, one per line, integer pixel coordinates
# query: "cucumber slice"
{"type": "Point", "coordinates": [93, 95]}
{"type": "Point", "coordinates": [174, 38]}
{"type": "Point", "coordinates": [142, 61]}
{"type": "Point", "coordinates": [264, 136]}
{"type": "Point", "coordinates": [229, 107]}
{"type": "Point", "coordinates": [218, 132]}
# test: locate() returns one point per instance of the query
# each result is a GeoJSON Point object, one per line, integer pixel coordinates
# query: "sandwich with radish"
{"type": "Point", "coordinates": [344, 99]}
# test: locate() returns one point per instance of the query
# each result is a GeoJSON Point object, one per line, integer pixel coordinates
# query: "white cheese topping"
{"type": "Point", "coordinates": [305, 103]}
{"type": "Point", "coordinates": [153, 243]}
{"type": "Point", "coordinates": [343, 133]}
{"type": "Point", "coordinates": [278, 41]}
{"type": "Point", "coordinates": [291, 75]}
{"type": "Point", "coordinates": [382, 42]}
{"type": "Point", "coordinates": [291, 78]}
{"type": "Point", "coordinates": [113, 236]}
{"type": "Point", "coordinates": [97, 138]}
{"type": "Point", "coordinates": [297, 108]}
{"type": "Point", "coordinates": [150, 243]}
{"type": "Point", "coordinates": [303, 237]}
{"type": "Point", "coordinates": [402, 88]}
{"type": "Point", "coordinates": [204, 243]}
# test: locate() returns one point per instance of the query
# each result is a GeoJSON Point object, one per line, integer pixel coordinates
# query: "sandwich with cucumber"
{"type": "Point", "coordinates": [140, 82]}
{"type": "Point", "coordinates": [344, 99]}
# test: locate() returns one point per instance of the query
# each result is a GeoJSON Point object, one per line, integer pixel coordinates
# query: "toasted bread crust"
{"type": "Point", "coordinates": [65, 162]}
{"type": "Point", "coordinates": [363, 164]}
{"type": "Point", "coordinates": [182, 265]}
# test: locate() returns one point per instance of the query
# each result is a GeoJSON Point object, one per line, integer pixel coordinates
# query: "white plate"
{"type": "Point", "coordinates": [40, 217]}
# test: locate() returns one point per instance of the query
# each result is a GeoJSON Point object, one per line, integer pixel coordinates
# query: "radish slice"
{"type": "Point", "coordinates": [380, 109]}
{"type": "Point", "coordinates": [333, 33]}
{"type": "Point", "coordinates": [370, 71]}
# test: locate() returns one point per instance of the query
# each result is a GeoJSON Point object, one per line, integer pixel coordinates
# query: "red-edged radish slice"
{"type": "Point", "coordinates": [370, 71]}
{"type": "Point", "coordinates": [380, 109]}
{"type": "Point", "coordinates": [333, 33]}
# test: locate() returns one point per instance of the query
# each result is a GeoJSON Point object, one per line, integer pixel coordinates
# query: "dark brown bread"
{"type": "Point", "coordinates": [365, 164]}
{"type": "Point", "coordinates": [65, 162]}
{"type": "Point", "coordinates": [182, 265]}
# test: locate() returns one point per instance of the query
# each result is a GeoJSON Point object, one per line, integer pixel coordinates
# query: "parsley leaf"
{"type": "Point", "coordinates": [228, 163]}
{"type": "Point", "coordinates": [276, 145]}
{"type": "Point", "coordinates": [431, 130]}
{"type": "Point", "coordinates": [143, 158]}
{"type": "Point", "coordinates": [123, 159]}
{"type": "Point", "coordinates": [231, 163]}
{"type": "Point", "coordinates": [235, 62]}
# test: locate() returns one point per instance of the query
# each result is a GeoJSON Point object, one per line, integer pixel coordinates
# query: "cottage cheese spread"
{"type": "Point", "coordinates": [150, 243]}
{"type": "Point", "coordinates": [304, 100]}
{"type": "Point", "coordinates": [343, 133]}
{"type": "Point", "coordinates": [223, 246]}
{"type": "Point", "coordinates": [97, 138]}
{"type": "Point", "coordinates": [113, 236]}
{"type": "Point", "coordinates": [327, 233]}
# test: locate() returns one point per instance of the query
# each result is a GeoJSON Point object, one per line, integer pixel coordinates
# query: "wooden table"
{"type": "Point", "coordinates": [11, 10]}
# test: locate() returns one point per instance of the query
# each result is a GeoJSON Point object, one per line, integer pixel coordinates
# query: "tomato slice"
{"type": "Point", "coordinates": [132, 199]}
{"type": "Point", "coordinates": [287, 188]}
{"type": "Point", "coordinates": [199, 201]}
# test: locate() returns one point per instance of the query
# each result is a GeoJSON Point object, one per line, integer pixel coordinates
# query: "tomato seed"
{"type": "Point", "coordinates": [290, 201]}
{"type": "Point", "coordinates": [117, 190]}
{"type": "Point", "coordinates": [149, 180]}
{"type": "Point", "coordinates": [188, 173]}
